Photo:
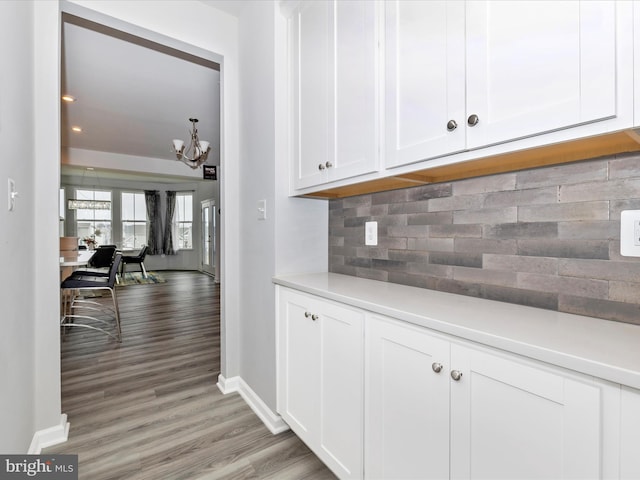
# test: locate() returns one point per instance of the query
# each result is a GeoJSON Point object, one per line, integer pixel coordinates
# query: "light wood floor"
{"type": "Point", "coordinates": [149, 408]}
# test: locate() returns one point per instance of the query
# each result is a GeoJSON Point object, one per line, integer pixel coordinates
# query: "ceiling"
{"type": "Point", "coordinates": [133, 97]}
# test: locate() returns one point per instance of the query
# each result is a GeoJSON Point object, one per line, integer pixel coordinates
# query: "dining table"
{"type": "Point", "coordinates": [77, 258]}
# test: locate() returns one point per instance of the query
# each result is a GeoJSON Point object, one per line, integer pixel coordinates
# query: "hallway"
{"type": "Point", "coordinates": [150, 408]}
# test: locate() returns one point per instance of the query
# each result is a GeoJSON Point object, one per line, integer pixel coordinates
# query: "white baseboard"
{"type": "Point", "coordinates": [49, 436]}
{"type": "Point", "coordinates": [272, 421]}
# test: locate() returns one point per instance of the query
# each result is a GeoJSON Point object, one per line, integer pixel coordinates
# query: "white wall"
{"type": "Point", "coordinates": [293, 238]}
{"type": "Point", "coordinates": [17, 229]}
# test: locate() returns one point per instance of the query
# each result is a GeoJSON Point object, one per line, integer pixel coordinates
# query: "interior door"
{"type": "Point", "coordinates": [208, 237]}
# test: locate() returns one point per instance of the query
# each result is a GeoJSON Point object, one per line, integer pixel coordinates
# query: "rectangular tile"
{"type": "Point", "coordinates": [607, 309]}
{"type": "Point", "coordinates": [455, 231]}
{"type": "Point", "coordinates": [590, 229]}
{"type": "Point", "coordinates": [486, 215]}
{"type": "Point", "coordinates": [393, 196]}
{"type": "Point", "coordinates": [564, 285]}
{"type": "Point", "coordinates": [626, 292]}
{"type": "Point", "coordinates": [543, 247]}
{"type": "Point", "coordinates": [490, 183]}
{"type": "Point", "coordinates": [600, 269]}
{"type": "Point", "coordinates": [518, 263]}
{"type": "Point", "coordinates": [564, 212]}
{"type": "Point", "coordinates": [625, 165]}
{"type": "Point", "coordinates": [430, 244]}
{"type": "Point", "coordinates": [577, 172]}
{"type": "Point", "coordinates": [483, 245]}
{"type": "Point", "coordinates": [531, 196]}
{"type": "Point", "coordinates": [521, 230]}
{"type": "Point", "coordinates": [483, 276]}
{"type": "Point", "coordinates": [432, 218]}
{"type": "Point", "coordinates": [430, 270]}
{"type": "Point", "coordinates": [426, 192]}
{"type": "Point", "coordinates": [613, 189]}
{"type": "Point", "coordinates": [460, 259]}
{"type": "Point", "coordinates": [546, 300]}
{"type": "Point", "coordinates": [459, 202]}
{"type": "Point", "coordinates": [408, 231]}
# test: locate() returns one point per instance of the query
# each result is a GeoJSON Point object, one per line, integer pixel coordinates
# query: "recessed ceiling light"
{"type": "Point", "coordinates": [76, 129]}
{"type": "Point", "coordinates": [68, 98]}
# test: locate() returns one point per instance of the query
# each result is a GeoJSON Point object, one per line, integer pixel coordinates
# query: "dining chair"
{"type": "Point", "coordinates": [136, 260]}
{"type": "Point", "coordinates": [75, 307]}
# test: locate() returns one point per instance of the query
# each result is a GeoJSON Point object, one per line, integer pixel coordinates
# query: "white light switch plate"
{"type": "Point", "coordinates": [371, 233]}
{"type": "Point", "coordinates": [630, 233]}
{"type": "Point", "coordinates": [262, 209]}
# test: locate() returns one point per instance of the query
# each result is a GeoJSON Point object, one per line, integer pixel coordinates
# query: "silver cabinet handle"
{"type": "Point", "coordinates": [307, 314]}
{"type": "Point", "coordinates": [436, 367]}
{"type": "Point", "coordinates": [329, 164]}
{"type": "Point", "coordinates": [452, 125]}
{"type": "Point", "coordinates": [473, 120]}
{"type": "Point", "coordinates": [456, 375]}
{"type": "Point", "coordinates": [314, 317]}
{"type": "Point", "coordinates": [320, 166]}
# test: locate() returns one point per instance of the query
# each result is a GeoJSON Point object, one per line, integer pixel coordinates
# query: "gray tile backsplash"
{"type": "Point", "coordinates": [546, 237]}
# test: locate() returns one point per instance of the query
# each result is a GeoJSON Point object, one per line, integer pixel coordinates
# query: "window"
{"type": "Point", "coordinates": [94, 223]}
{"type": "Point", "coordinates": [134, 220]}
{"type": "Point", "coordinates": [183, 220]}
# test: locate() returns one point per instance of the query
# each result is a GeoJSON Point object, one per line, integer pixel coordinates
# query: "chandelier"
{"type": "Point", "coordinates": [86, 203]}
{"type": "Point", "coordinates": [197, 151]}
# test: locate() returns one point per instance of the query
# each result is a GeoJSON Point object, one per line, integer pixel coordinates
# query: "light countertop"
{"type": "Point", "coordinates": [601, 348]}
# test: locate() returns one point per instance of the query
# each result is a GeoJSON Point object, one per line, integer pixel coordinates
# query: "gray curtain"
{"type": "Point", "coordinates": [152, 199]}
{"type": "Point", "coordinates": [167, 243]}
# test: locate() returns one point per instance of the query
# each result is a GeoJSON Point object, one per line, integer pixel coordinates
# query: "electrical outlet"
{"type": "Point", "coordinates": [630, 233]}
{"type": "Point", "coordinates": [371, 233]}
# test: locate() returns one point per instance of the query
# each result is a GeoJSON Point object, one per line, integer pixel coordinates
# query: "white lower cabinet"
{"type": "Point", "coordinates": [629, 434]}
{"type": "Point", "coordinates": [379, 398]}
{"type": "Point", "coordinates": [439, 409]}
{"type": "Point", "coordinates": [320, 378]}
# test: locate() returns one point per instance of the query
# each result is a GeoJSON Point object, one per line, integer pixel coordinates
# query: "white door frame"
{"type": "Point", "coordinates": [208, 238]}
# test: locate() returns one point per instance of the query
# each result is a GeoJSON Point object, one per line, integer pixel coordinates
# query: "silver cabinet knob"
{"type": "Point", "coordinates": [473, 120]}
{"type": "Point", "coordinates": [329, 164]}
{"type": "Point", "coordinates": [307, 314]}
{"type": "Point", "coordinates": [320, 166]}
{"type": "Point", "coordinates": [452, 125]}
{"type": "Point", "coordinates": [314, 317]}
{"type": "Point", "coordinates": [436, 367]}
{"type": "Point", "coordinates": [456, 375]}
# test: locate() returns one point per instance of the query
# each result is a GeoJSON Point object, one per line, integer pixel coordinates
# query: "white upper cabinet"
{"type": "Point", "coordinates": [465, 75]}
{"type": "Point", "coordinates": [335, 90]}
{"type": "Point", "coordinates": [425, 80]}
{"type": "Point", "coordinates": [536, 66]}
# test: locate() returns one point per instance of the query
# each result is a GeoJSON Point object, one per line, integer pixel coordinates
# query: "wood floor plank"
{"type": "Point", "coordinates": [149, 408]}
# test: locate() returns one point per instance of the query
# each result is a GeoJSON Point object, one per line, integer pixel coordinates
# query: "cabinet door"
{"type": "Point", "coordinates": [424, 81]}
{"type": "Point", "coordinates": [537, 66]}
{"type": "Point", "coordinates": [321, 378]}
{"type": "Point", "coordinates": [341, 389]}
{"type": "Point", "coordinates": [355, 69]}
{"type": "Point", "coordinates": [510, 419]}
{"type": "Point", "coordinates": [630, 434]}
{"type": "Point", "coordinates": [312, 74]}
{"type": "Point", "coordinates": [407, 409]}
{"type": "Point", "coordinates": [335, 90]}
{"type": "Point", "coordinates": [298, 365]}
